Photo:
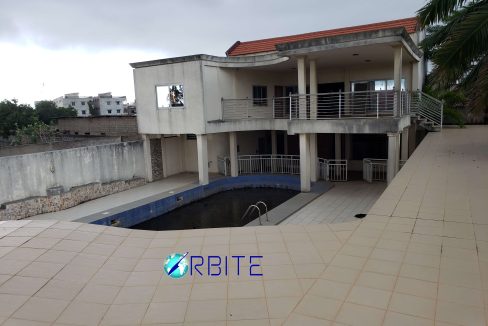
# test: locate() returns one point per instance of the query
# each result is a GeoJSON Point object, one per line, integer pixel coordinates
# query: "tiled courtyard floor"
{"type": "Point", "coordinates": [419, 258]}
{"type": "Point", "coordinates": [340, 203]}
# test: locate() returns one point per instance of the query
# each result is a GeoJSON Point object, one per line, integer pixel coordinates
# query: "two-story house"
{"type": "Point", "coordinates": [320, 105]}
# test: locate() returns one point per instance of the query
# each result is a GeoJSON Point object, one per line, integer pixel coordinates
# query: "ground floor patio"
{"type": "Point", "coordinates": [418, 258]}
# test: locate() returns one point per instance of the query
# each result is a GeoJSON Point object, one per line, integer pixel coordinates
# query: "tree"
{"type": "Point", "coordinates": [94, 111]}
{"type": "Point", "coordinates": [37, 132]}
{"type": "Point", "coordinates": [457, 45]}
{"type": "Point", "coordinates": [47, 111]}
{"type": "Point", "coordinates": [14, 116]}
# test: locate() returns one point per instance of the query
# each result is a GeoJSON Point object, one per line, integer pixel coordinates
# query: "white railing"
{"type": "Point", "coordinates": [376, 169]}
{"type": "Point", "coordinates": [337, 170]}
{"type": "Point", "coordinates": [333, 170]}
{"type": "Point", "coordinates": [427, 107]}
{"type": "Point", "coordinates": [279, 164]}
{"type": "Point", "coordinates": [336, 105]}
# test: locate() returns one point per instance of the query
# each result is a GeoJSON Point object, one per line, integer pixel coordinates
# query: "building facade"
{"type": "Point", "coordinates": [297, 103]}
{"type": "Point", "coordinates": [74, 100]}
{"type": "Point", "coordinates": [105, 104]}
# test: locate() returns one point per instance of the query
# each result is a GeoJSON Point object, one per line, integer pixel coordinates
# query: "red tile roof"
{"type": "Point", "coordinates": [268, 45]}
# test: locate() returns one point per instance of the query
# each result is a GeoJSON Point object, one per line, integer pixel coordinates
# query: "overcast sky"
{"type": "Point", "coordinates": [52, 47]}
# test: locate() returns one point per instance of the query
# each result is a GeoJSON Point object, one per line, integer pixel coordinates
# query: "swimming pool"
{"type": "Point", "coordinates": [223, 209]}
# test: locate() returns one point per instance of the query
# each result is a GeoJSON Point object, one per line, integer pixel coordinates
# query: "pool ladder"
{"type": "Point", "coordinates": [253, 207]}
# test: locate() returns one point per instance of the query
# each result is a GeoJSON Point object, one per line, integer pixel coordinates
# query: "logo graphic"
{"type": "Point", "coordinates": [176, 265]}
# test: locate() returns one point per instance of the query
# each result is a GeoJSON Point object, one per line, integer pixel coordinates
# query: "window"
{"type": "Point", "coordinates": [73, 103]}
{"type": "Point", "coordinates": [109, 111]}
{"type": "Point", "coordinates": [259, 95]}
{"type": "Point", "coordinates": [117, 102]}
{"type": "Point", "coordinates": [82, 103]}
{"type": "Point", "coordinates": [118, 111]}
{"type": "Point", "coordinates": [170, 96]}
{"type": "Point", "coordinates": [108, 102]}
{"type": "Point", "coordinates": [83, 112]}
{"type": "Point", "coordinates": [377, 85]}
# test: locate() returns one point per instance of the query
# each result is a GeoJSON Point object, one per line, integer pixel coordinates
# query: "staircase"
{"type": "Point", "coordinates": [427, 110]}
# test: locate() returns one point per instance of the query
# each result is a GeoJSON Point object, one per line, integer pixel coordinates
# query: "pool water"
{"type": "Point", "coordinates": [224, 209]}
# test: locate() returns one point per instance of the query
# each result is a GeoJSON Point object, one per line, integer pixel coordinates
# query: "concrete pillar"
{"type": "Point", "coordinates": [393, 155]}
{"type": "Point", "coordinates": [202, 159]}
{"type": "Point", "coordinates": [404, 149]}
{"type": "Point", "coordinates": [313, 157]}
{"type": "Point", "coordinates": [285, 143]}
{"type": "Point", "coordinates": [348, 145]}
{"type": "Point", "coordinates": [304, 162]}
{"type": "Point", "coordinates": [163, 156]}
{"type": "Point", "coordinates": [234, 170]}
{"type": "Point", "coordinates": [338, 147]}
{"type": "Point", "coordinates": [274, 143]}
{"type": "Point", "coordinates": [415, 82]}
{"type": "Point", "coordinates": [313, 89]}
{"type": "Point", "coordinates": [147, 157]}
{"type": "Point", "coordinates": [302, 87]}
{"type": "Point", "coordinates": [397, 75]}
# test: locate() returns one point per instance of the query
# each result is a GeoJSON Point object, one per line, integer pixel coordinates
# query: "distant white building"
{"type": "Point", "coordinates": [74, 100]}
{"type": "Point", "coordinates": [104, 103]}
{"type": "Point", "coordinates": [109, 105]}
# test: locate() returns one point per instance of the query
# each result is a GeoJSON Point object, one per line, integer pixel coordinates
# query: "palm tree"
{"type": "Point", "coordinates": [457, 45]}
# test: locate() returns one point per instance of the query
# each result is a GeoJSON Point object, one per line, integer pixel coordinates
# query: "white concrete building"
{"type": "Point", "coordinates": [318, 104]}
{"type": "Point", "coordinates": [74, 100]}
{"type": "Point", "coordinates": [109, 105]}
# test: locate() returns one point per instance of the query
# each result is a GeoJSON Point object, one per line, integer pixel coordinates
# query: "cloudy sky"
{"type": "Point", "coordinates": [52, 47]}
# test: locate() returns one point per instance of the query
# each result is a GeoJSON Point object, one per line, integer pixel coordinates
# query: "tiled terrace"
{"type": "Point", "coordinates": [419, 258]}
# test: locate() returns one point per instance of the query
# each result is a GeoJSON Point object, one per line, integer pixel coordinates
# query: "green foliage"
{"type": "Point", "coordinates": [457, 45]}
{"type": "Point", "coordinates": [37, 132]}
{"type": "Point", "coordinates": [47, 111]}
{"type": "Point", "coordinates": [92, 109]}
{"type": "Point", "coordinates": [14, 116]}
{"type": "Point", "coordinates": [454, 104]}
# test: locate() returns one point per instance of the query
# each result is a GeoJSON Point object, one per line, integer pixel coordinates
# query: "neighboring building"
{"type": "Point", "coordinates": [328, 100]}
{"type": "Point", "coordinates": [130, 109]}
{"type": "Point", "coordinates": [80, 104]}
{"type": "Point", "coordinates": [108, 104]}
{"type": "Point", "coordinates": [104, 104]}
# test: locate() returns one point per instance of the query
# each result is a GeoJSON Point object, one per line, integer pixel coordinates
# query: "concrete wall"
{"type": "Point", "coordinates": [181, 120]}
{"type": "Point", "coordinates": [65, 144]}
{"type": "Point", "coordinates": [108, 126]}
{"type": "Point", "coordinates": [30, 175]}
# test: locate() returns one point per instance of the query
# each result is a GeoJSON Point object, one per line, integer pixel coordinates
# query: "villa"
{"type": "Point", "coordinates": [323, 105]}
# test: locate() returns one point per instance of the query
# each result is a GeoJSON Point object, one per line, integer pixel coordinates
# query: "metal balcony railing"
{"type": "Point", "coordinates": [376, 169]}
{"type": "Point", "coordinates": [333, 170]}
{"type": "Point", "coordinates": [337, 105]}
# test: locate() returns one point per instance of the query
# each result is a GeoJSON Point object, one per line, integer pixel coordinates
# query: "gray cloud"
{"type": "Point", "coordinates": [181, 27]}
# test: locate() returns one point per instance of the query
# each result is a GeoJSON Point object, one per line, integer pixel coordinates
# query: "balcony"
{"type": "Point", "coordinates": [339, 105]}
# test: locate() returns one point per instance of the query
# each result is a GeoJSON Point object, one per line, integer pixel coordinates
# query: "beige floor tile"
{"type": "Point", "coordinates": [459, 314]}
{"type": "Point", "coordinates": [278, 272]}
{"type": "Point", "coordinates": [41, 309]}
{"type": "Point", "coordinates": [416, 287]}
{"type": "Point", "coordinates": [57, 256]}
{"type": "Point", "coordinates": [339, 274]}
{"type": "Point", "coordinates": [96, 293]}
{"type": "Point", "coordinates": [412, 305]}
{"type": "Point", "coordinates": [83, 313]}
{"type": "Point", "coordinates": [369, 297]}
{"type": "Point", "coordinates": [9, 303]}
{"type": "Point", "coordinates": [281, 307]}
{"type": "Point", "coordinates": [352, 314]}
{"type": "Point", "coordinates": [348, 262]}
{"type": "Point", "coordinates": [461, 295]}
{"type": "Point", "coordinates": [29, 254]}
{"type": "Point", "coordinates": [41, 243]}
{"type": "Point", "coordinates": [318, 307]}
{"type": "Point", "coordinates": [251, 322]}
{"type": "Point", "coordinates": [387, 254]}
{"type": "Point", "coordinates": [21, 285]}
{"type": "Point", "coordinates": [396, 319]}
{"type": "Point", "coordinates": [300, 320]}
{"type": "Point", "coordinates": [165, 312]}
{"type": "Point", "coordinates": [282, 288]}
{"type": "Point", "coordinates": [125, 314]}
{"type": "Point", "coordinates": [209, 291]}
{"type": "Point", "coordinates": [208, 310]}
{"type": "Point", "coordinates": [330, 289]}
{"type": "Point", "coordinates": [134, 294]}
{"type": "Point", "coordinates": [377, 281]}
{"type": "Point", "coordinates": [109, 277]}
{"type": "Point", "coordinates": [420, 272]}
{"type": "Point", "coordinates": [172, 292]}
{"type": "Point", "coordinates": [70, 245]}
{"type": "Point", "coordinates": [61, 290]}
{"type": "Point", "coordinates": [382, 266]}
{"type": "Point", "coordinates": [243, 290]}
{"type": "Point", "coordinates": [41, 269]}
{"type": "Point", "coordinates": [255, 308]}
